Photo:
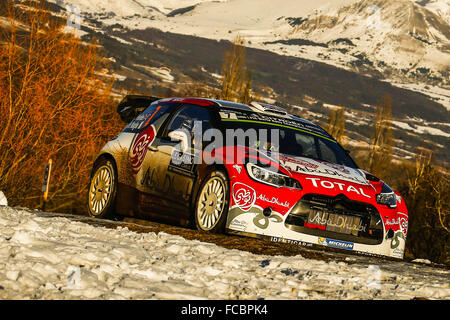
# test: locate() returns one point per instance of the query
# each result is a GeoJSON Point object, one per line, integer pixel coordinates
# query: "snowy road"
{"type": "Point", "coordinates": [45, 257]}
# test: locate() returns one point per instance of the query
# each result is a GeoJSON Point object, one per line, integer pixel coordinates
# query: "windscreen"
{"type": "Point", "coordinates": [294, 141]}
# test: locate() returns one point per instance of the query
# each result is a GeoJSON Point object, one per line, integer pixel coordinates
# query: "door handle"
{"type": "Point", "coordinates": [154, 149]}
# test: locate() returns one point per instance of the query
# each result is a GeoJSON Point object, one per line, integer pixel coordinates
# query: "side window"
{"type": "Point", "coordinates": [186, 118]}
{"type": "Point", "coordinates": [154, 115]}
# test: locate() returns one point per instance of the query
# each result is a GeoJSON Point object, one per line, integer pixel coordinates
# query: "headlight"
{"type": "Point", "coordinates": [272, 178]}
{"type": "Point", "coordinates": [387, 197]}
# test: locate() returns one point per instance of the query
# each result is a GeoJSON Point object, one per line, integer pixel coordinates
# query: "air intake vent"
{"type": "Point", "coordinates": [264, 107]}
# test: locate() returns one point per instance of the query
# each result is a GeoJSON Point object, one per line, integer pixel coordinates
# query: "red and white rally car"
{"type": "Point", "coordinates": [244, 169]}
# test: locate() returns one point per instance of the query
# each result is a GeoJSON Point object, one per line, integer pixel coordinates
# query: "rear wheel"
{"type": "Point", "coordinates": [102, 190]}
{"type": "Point", "coordinates": [211, 207]}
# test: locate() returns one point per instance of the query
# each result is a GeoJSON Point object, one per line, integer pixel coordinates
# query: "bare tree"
{"type": "Point", "coordinates": [380, 154]}
{"type": "Point", "coordinates": [236, 79]}
{"type": "Point", "coordinates": [423, 160]}
{"type": "Point", "coordinates": [336, 124]}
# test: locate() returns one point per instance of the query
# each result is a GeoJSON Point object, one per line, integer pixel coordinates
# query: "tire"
{"type": "Point", "coordinates": [211, 205]}
{"type": "Point", "coordinates": [102, 190]}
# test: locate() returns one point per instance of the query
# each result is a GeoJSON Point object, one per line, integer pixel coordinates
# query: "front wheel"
{"type": "Point", "coordinates": [102, 190]}
{"type": "Point", "coordinates": [211, 207]}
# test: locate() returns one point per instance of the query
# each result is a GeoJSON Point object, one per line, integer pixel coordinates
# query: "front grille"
{"type": "Point", "coordinates": [336, 217]}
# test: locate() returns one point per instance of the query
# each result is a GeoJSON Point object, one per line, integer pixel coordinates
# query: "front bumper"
{"type": "Point", "coordinates": [371, 237]}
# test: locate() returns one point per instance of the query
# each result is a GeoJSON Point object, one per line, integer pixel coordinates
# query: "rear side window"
{"type": "Point", "coordinates": [186, 117]}
{"type": "Point", "coordinates": [154, 115]}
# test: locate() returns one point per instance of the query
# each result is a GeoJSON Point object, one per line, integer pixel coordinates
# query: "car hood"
{"type": "Point", "coordinates": [319, 168]}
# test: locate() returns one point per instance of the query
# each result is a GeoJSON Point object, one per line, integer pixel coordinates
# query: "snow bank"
{"type": "Point", "coordinates": [57, 258]}
{"type": "Point", "coordinates": [3, 200]}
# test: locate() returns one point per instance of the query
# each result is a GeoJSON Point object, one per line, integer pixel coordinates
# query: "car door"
{"type": "Point", "coordinates": [171, 172]}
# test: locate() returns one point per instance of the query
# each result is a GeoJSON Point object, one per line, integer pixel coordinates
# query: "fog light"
{"type": "Point", "coordinates": [267, 212]}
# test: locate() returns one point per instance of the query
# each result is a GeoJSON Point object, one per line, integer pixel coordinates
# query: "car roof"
{"type": "Point", "coordinates": [254, 106]}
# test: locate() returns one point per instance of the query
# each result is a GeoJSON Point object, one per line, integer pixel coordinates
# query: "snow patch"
{"type": "Point", "coordinates": [75, 260]}
{"type": "Point", "coordinates": [3, 200]}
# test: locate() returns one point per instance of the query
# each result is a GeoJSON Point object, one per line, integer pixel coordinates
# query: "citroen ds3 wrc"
{"type": "Point", "coordinates": [298, 185]}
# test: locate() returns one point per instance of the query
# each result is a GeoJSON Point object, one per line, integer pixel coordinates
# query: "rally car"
{"type": "Point", "coordinates": [253, 170]}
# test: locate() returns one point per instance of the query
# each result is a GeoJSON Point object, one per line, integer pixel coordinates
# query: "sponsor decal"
{"type": "Point", "coordinates": [392, 222]}
{"type": "Point", "coordinates": [227, 115]}
{"type": "Point", "coordinates": [140, 121]}
{"type": "Point", "coordinates": [299, 161]}
{"type": "Point", "coordinates": [244, 196]}
{"type": "Point", "coordinates": [237, 224]}
{"type": "Point", "coordinates": [153, 180]}
{"type": "Point", "coordinates": [181, 163]}
{"type": "Point", "coordinates": [140, 147]}
{"type": "Point", "coordinates": [323, 170]}
{"type": "Point", "coordinates": [336, 243]}
{"type": "Point", "coordinates": [305, 127]}
{"type": "Point", "coordinates": [335, 222]}
{"type": "Point", "coordinates": [335, 166]}
{"type": "Point", "coordinates": [332, 185]}
{"type": "Point", "coordinates": [238, 168]}
{"type": "Point", "coordinates": [274, 200]}
{"type": "Point", "coordinates": [298, 242]}
{"type": "Point", "coordinates": [395, 242]}
{"type": "Point", "coordinates": [397, 253]}
{"type": "Point", "coordinates": [259, 219]}
{"type": "Point", "coordinates": [347, 224]}
{"type": "Point", "coordinates": [402, 222]}
{"type": "Point", "coordinates": [262, 222]}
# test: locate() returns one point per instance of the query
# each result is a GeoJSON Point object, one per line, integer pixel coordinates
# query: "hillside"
{"type": "Point", "coordinates": [145, 58]}
{"type": "Point", "coordinates": [403, 41]}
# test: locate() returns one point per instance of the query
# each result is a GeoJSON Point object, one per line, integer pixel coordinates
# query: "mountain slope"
{"type": "Point", "coordinates": [402, 40]}
{"type": "Point", "coordinates": [393, 36]}
{"type": "Point", "coordinates": [149, 60]}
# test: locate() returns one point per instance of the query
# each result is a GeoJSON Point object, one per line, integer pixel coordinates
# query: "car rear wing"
{"type": "Point", "coordinates": [132, 105]}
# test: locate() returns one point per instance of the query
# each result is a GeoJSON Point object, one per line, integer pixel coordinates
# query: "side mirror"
{"type": "Point", "coordinates": [181, 137]}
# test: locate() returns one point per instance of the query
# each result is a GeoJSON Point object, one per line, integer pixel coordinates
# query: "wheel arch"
{"type": "Point", "coordinates": [107, 156]}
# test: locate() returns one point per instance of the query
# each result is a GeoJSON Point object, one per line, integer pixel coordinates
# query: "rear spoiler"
{"type": "Point", "coordinates": [132, 105]}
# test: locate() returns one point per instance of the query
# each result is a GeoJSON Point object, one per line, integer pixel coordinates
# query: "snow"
{"type": "Point", "coordinates": [3, 200]}
{"type": "Point", "coordinates": [45, 257]}
{"type": "Point", "coordinates": [130, 8]}
{"type": "Point", "coordinates": [425, 261]}
{"type": "Point", "coordinates": [162, 73]}
{"type": "Point", "coordinates": [421, 129]}
{"type": "Point", "coordinates": [121, 40]}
